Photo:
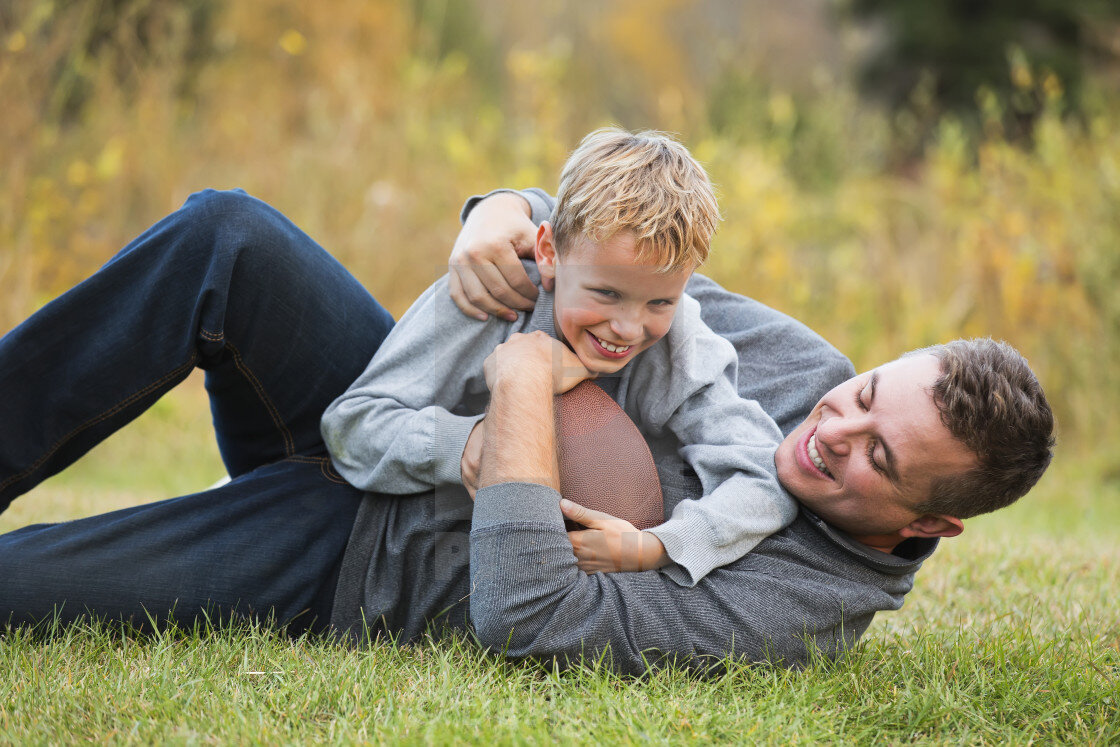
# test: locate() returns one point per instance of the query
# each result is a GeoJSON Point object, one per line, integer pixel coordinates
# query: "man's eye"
{"type": "Point", "coordinates": [859, 400]}
{"type": "Point", "coordinates": [871, 458]}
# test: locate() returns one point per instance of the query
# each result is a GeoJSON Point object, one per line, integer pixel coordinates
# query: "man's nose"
{"type": "Point", "coordinates": [839, 433]}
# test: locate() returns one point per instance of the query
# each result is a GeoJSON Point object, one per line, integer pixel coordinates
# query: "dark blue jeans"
{"type": "Point", "coordinates": [229, 285]}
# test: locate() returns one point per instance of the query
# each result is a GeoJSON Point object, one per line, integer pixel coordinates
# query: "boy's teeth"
{"type": "Point", "coordinates": [815, 455]}
{"type": "Point", "coordinates": [612, 348]}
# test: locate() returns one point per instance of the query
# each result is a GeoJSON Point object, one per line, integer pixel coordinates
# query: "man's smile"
{"type": "Point", "coordinates": [809, 458]}
{"type": "Point", "coordinates": [815, 456]}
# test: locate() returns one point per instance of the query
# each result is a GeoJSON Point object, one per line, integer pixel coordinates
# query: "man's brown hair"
{"type": "Point", "coordinates": [645, 183]}
{"type": "Point", "coordinates": [990, 401]}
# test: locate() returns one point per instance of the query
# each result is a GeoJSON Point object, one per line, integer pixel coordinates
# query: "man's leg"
{"type": "Point", "coordinates": [267, 545]}
{"type": "Point", "coordinates": [227, 284]}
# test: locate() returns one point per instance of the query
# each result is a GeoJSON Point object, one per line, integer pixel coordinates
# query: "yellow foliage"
{"type": "Point", "coordinates": [352, 119]}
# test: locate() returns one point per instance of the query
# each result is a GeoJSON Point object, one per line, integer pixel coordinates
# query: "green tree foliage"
{"type": "Point", "coordinates": [949, 50]}
{"type": "Point", "coordinates": [117, 38]}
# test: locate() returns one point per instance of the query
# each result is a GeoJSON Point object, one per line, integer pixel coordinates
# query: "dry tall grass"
{"type": "Point", "coordinates": [362, 122]}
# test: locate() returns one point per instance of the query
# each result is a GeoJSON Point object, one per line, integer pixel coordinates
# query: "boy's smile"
{"type": "Point", "coordinates": [608, 307]}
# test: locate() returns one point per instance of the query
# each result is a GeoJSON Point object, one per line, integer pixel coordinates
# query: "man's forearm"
{"type": "Point", "coordinates": [520, 443]}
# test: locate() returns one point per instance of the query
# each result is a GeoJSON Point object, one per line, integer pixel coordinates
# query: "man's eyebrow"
{"type": "Point", "coordinates": [892, 465]}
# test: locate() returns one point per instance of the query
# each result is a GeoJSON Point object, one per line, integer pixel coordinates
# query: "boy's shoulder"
{"type": "Point", "coordinates": [689, 355]}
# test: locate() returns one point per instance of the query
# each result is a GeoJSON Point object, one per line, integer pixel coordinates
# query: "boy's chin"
{"type": "Point", "coordinates": [600, 367]}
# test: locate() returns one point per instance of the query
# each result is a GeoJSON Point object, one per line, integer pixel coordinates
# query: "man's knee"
{"type": "Point", "coordinates": [217, 209]}
{"type": "Point", "coordinates": [233, 222]}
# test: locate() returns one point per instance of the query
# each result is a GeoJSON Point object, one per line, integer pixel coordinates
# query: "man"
{"type": "Point", "coordinates": [228, 284]}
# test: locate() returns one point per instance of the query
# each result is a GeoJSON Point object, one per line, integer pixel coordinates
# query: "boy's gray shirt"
{"type": "Point", "coordinates": [806, 587]}
{"type": "Point", "coordinates": [402, 426]}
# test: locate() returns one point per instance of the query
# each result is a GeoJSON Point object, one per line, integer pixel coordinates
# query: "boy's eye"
{"type": "Point", "coordinates": [605, 292]}
{"type": "Point", "coordinates": [661, 302]}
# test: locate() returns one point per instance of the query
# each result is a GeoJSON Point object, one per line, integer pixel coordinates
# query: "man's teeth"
{"type": "Point", "coordinates": [815, 455]}
{"type": "Point", "coordinates": [612, 348]}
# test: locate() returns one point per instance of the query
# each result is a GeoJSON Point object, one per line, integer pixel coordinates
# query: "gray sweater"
{"type": "Point", "coordinates": [505, 564]}
{"type": "Point", "coordinates": [402, 426]}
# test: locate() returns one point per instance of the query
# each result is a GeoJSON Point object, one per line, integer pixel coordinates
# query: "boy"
{"type": "Point", "coordinates": [634, 217]}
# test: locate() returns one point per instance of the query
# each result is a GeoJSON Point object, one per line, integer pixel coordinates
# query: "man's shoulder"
{"type": "Point", "coordinates": [783, 364]}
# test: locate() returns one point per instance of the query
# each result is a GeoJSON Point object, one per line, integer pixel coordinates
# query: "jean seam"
{"type": "Point", "coordinates": [285, 434]}
{"type": "Point", "coordinates": [324, 466]}
{"type": "Point", "coordinates": [94, 421]}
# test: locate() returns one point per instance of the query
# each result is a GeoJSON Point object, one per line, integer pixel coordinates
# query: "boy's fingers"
{"type": "Point", "coordinates": [583, 515]}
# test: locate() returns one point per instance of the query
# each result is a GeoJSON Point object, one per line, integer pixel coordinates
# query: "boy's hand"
{"type": "Point", "coordinates": [610, 544]}
{"type": "Point", "coordinates": [535, 354]}
{"type": "Point", "coordinates": [472, 457]}
{"type": "Point", "coordinates": [486, 276]}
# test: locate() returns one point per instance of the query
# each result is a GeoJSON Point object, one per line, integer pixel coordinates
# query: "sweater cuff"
{"type": "Point", "coordinates": [690, 546]}
{"type": "Point", "coordinates": [514, 502]}
{"type": "Point", "coordinates": [538, 206]}
{"type": "Point", "coordinates": [449, 438]}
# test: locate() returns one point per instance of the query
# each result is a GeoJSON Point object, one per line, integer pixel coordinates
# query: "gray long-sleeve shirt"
{"type": "Point", "coordinates": [402, 426]}
{"type": "Point", "coordinates": [406, 565]}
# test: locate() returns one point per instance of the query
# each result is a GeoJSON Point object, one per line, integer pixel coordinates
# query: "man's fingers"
{"type": "Point", "coordinates": [522, 292]}
{"type": "Point", "coordinates": [495, 278]}
{"type": "Point", "coordinates": [476, 296]}
{"type": "Point", "coordinates": [459, 296]}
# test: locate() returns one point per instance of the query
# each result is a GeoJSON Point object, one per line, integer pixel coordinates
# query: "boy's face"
{"type": "Point", "coordinates": [607, 306]}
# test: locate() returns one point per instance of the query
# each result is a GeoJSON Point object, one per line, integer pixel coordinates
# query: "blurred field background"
{"type": "Point", "coordinates": [884, 220]}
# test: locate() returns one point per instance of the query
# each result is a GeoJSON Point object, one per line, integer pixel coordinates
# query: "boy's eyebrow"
{"type": "Point", "coordinates": [892, 465]}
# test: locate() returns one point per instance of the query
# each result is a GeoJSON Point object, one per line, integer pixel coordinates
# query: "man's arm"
{"type": "Point", "coordinates": [485, 268]}
{"type": "Point", "coordinates": [529, 598]}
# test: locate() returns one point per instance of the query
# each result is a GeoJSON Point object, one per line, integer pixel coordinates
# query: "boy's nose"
{"type": "Point", "coordinates": [626, 328]}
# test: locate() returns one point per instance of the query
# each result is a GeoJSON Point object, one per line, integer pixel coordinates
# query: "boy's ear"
{"type": "Point", "coordinates": [545, 254]}
{"type": "Point", "coordinates": [933, 525]}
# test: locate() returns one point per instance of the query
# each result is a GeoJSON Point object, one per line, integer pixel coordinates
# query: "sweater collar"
{"type": "Point", "coordinates": [909, 558]}
{"type": "Point", "coordinates": [542, 317]}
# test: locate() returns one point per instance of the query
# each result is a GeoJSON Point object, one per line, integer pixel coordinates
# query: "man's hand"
{"type": "Point", "coordinates": [472, 457]}
{"type": "Point", "coordinates": [535, 354]}
{"type": "Point", "coordinates": [486, 276]}
{"type": "Point", "coordinates": [610, 544]}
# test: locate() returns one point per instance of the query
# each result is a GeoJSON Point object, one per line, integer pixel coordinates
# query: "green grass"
{"type": "Point", "coordinates": [1012, 635]}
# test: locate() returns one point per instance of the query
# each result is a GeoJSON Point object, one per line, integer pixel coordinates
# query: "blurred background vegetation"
{"type": "Point", "coordinates": [892, 173]}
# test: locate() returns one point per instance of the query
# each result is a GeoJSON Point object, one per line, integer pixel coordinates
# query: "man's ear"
{"type": "Point", "coordinates": [933, 525]}
{"type": "Point", "coordinates": [545, 253]}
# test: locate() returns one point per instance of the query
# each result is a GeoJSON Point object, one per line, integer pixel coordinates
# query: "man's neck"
{"type": "Point", "coordinates": [881, 542]}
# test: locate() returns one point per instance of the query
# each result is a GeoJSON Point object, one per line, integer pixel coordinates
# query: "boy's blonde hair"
{"type": "Point", "coordinates": [646, 183]}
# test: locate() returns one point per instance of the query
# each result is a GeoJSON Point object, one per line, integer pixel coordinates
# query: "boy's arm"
{"type": "Point", "coordinates": [393, 430]}
{"type": "Point", "coordinates": [529, 598]}
{"type": "Point", "coordinates": [689, 391]}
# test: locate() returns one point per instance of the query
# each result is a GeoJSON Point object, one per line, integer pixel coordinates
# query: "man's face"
{"type": "Point", "coordinates": [871, 450]}
{"type": "Point", "coordinates": [607, 306]}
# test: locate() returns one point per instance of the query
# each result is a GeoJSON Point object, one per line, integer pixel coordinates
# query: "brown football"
{"type": "Point", "coordinates": [605, 463]}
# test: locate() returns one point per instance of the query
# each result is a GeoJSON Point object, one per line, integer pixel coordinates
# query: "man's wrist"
{"type": "Point", "coordinates": [504, 200]}
{"type": "Point", "coordinates": [520, 440]}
